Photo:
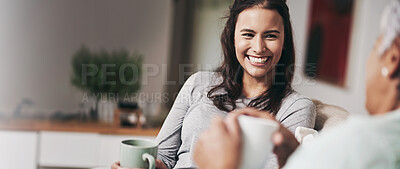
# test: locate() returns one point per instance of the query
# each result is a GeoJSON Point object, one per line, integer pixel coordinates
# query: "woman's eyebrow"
{"type": "Point", "coordinates": [272, 31]}
{"type": "Point", "coordinates": [252, 31]}
{"type": "Point", "coordinates": [247, 30]}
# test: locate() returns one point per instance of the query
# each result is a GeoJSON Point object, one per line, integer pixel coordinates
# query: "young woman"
{"type": "Point", "coordinates": [359, 142]}
{"type": "Point", "coordinates": [257, 71]}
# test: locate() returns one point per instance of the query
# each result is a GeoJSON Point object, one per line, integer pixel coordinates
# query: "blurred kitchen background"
{"type": "Point", "coordinates": [48, 122]}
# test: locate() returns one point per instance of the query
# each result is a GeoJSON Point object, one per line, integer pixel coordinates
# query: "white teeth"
{"type": "Point", "coordinates": [258, 60]}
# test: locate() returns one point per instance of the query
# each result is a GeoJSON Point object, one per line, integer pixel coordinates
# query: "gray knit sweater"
{"type": "Point", "coordinates": [192, 112]}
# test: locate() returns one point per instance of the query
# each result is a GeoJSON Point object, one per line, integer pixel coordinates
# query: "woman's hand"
{"type": "Point", "coordinates": [116, 165]}
{"type": "Point", "coordinates": [159, 165]}
{"type": "Point", "coordinates": [284, 141]}
{"type": "Point", "coordinates": [219, 147]}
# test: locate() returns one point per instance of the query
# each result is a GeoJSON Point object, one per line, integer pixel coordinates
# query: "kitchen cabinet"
{"type": "Point", "coordinates": [80, 150]}
{"type": "Point", "coordinates": [18, 149]}
{"type": "Point", "coordinates": [36, 144]}
{"type": "Point", "coordinates": [68, 149]}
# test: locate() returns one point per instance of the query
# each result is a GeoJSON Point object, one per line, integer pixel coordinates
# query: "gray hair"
{"type": "Point", "coordinates": [390, 25]}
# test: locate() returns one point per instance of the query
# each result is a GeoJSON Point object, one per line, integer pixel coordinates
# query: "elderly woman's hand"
{"type": "Point", "coordinates": [284, 141]}
{"type": "Point", "coordinates": [219, 147]}
{"type": "Point", "coordinates": [285, 144]}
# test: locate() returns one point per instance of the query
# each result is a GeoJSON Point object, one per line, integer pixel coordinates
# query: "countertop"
{"type": "Point", "coordinates": [72, 126]}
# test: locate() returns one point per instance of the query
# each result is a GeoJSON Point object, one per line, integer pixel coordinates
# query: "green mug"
{"type": "Point", "coordinates": [138, 153]}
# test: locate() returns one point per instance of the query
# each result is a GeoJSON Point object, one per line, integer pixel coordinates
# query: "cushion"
{"type": "Point", "coordinates": [328, 115]}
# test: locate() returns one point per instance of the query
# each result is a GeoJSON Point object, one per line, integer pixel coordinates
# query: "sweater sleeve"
{"type": "Point", "coordinates": [300, 112]}
{"type": "Point", "coordinates": [360, 142]}
{"type": "Point", "coordinates": [169, 137]}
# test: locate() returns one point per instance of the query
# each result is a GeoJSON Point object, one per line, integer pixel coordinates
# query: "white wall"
{"type": "Point", "coordinates": [38, 38]}
{"type": "Point", "coordinates": [208, 24]}
{"type": "Point", "coordinates": [364, 32]}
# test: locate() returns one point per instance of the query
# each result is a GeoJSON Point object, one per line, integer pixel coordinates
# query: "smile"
{"type": "Point", "coordinates": [258, 60]}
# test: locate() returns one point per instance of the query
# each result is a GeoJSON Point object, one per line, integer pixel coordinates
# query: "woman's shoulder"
{"type": "Point", "coordinates": [201, 82]}
{"type": "Point", "coordinates": [205, 78]}
{"type": "Point", "coordinates": [295, 97]}
{"type": "Point", "coordinates": [296, 100]}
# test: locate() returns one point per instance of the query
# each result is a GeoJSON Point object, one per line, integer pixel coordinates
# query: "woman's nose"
{"type": "Point", "coordinates": [259, 46]}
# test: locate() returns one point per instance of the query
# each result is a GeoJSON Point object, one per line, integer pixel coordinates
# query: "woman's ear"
{"type": "Point", "coordinates": [392, 59]}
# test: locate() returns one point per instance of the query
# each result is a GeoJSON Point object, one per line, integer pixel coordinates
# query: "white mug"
{"type": "Point", "coordinates": [257, 141]}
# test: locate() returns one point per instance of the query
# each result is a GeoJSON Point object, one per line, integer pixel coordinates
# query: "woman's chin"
{"type": "Point", "coordinates": [257, 73]}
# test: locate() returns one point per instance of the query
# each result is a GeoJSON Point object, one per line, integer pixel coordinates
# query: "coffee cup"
{"type": "Point", "coordinates": [257, 141]}
{"type": "Point", "coordinates": [138, 153]}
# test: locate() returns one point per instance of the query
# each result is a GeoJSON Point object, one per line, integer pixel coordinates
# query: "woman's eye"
{"type": "Point", "coordinates": [271, 36]}
{"type": "Point", "coordinates": [248, 35]}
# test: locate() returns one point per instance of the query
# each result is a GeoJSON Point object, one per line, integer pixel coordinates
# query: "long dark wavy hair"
{"type": "Point", "coordinates": [232, 71]}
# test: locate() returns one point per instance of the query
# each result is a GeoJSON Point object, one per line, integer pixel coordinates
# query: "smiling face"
{"type": "Point", "coordinates": [259, 38]}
